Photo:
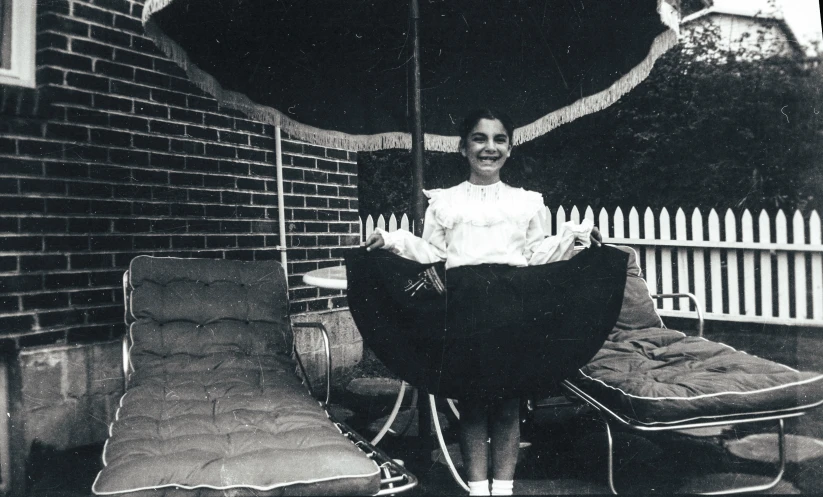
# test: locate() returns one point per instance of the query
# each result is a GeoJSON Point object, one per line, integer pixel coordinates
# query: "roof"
{"type": "Point", "coordinates": [749, 8]}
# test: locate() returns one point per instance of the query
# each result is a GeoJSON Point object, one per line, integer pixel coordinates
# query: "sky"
{"type": "Point", "coordinates": [803, 16]}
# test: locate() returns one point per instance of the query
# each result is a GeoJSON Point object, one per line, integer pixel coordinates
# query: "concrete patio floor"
{"type": "Point", "coordinates": [566, 457]}
{"type": "Point", "coordinates": [568, 445]}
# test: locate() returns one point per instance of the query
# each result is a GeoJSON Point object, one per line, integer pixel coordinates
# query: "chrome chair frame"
{"type": "Point", "coordinates": [395, 477]}
{"type": "Point", "coordinates": [607, 415]}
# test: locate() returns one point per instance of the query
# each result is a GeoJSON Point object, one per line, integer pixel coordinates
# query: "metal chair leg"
{"type": "Point", "coordinates": [610, 458]}
{"type": "Point", "coordinates": [390, 421]}
{"type": "Point", "coordinates": [781, 444]}
{"type": "Point", "coordinates": [781, 441]}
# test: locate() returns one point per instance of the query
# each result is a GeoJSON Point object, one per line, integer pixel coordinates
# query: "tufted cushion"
{"type": "Point", "coordinates": [238, 306]}
{"type": "Point", "coordinates": [638, 310]}
{"type": "Point", "coordinates": [657, 376]}
{"type": "Point", "coordinates": [214, 403]}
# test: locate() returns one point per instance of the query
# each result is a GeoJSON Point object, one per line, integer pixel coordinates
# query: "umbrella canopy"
{"type": "Point", "coordinates": [336, 72]}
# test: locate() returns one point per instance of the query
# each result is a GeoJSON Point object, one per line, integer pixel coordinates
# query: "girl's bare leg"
{"type": "Point", "coordinates": [505, 438]}
{"type": "Point", "coordinates": [474, 439]}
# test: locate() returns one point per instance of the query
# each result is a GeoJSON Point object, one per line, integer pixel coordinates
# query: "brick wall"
{"type": "Point", "coordinates": [116, 153]}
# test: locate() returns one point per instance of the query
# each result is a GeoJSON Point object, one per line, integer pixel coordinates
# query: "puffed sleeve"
{"type": "Point", "coordinates": [426, 250]}
{"type": "Point", "coordinates": [542, 250]}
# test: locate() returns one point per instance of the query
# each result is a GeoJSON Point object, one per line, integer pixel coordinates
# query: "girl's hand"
{"type": "Point", "coordinates": [597, 238]}
{"type": "Point", "coordinates": [375, 241]}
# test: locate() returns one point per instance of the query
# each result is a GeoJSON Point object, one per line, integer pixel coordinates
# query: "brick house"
{"type": "Point", "coordinates": [108, 151]}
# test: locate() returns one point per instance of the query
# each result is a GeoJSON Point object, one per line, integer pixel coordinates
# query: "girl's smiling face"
{"type": "Point", "coordinates": [487, 147]}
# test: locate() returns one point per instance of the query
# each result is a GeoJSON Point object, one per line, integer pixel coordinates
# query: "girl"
{"type": "Point", "coordinates": [486, 342]}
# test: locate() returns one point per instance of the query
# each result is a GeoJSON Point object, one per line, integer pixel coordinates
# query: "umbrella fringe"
{"type": "Point", "coordinates": [600, 100]}
{"type": "Point", "coordinates": [269, 115]}
{"type": "Point", "coordinates": [669, 16]}
{"type": "Point", "coordinates": [152, 6]}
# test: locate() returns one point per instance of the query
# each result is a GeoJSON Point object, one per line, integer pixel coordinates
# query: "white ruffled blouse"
{"type": "Point", "coordinates": [495, 224]}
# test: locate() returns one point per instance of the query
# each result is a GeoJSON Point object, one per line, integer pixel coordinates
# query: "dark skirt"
{"type": "Point", "coordinates": [497, 331]}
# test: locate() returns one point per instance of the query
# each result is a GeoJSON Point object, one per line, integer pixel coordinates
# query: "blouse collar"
{"type": "Point", "coordinates": [483, 193]}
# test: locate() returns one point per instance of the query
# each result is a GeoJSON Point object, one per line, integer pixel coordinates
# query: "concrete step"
{"type": "Point", "coordinates": [376, 387]}
{"type": "Point", "coordinates": [710, 431]}
{"type": "Point", "coordinates": [341, 413]}
{"type": "Point", "coordinates": [763, 447]}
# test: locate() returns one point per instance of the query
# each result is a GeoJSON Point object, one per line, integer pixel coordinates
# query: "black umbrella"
{"type": "Point", "coordinates": [361, 75]}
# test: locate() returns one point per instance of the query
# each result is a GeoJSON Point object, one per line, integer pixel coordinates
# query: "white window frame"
{"type": "Point", "coordinates": [5, 438]}
{"type": "Point", "coordinates": [21, 73]}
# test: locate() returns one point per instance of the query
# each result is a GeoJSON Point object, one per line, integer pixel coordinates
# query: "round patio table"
{"type": "Point", "coordinates": [334, 278]}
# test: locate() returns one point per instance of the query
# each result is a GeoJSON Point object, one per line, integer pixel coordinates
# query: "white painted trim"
{"type": "Point", "coordinates": [743, 318]}
{"type": "Point", "coordinates": [23, 35]}
{"type": "Point", "coordinates": [5, 434]}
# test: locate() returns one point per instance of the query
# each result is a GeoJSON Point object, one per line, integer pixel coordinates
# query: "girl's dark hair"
{"type": "Point", "coordinates": [473, 117]}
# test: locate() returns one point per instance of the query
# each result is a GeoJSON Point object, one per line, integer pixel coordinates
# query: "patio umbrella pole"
{"type": "Point", "coordinates": [419, 201]}
{"type": "Point", "coordinates": [281, 208]}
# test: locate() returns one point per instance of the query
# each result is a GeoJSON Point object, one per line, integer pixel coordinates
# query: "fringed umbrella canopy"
{"type": "Point", "coordinates": [335, 72]}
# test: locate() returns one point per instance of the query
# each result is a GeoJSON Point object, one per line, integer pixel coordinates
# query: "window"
{"type": "Point", "coordinates": [17, 36]}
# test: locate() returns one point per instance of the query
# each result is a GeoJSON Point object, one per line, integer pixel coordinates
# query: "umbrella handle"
{"type": "Point", "coordinates": [416, 124]}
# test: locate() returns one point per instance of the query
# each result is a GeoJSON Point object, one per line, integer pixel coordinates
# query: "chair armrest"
{"type": "Point", "coordinates": [126, 363]}
{"type": "Point", "coordinates": [326, 347]}
{"type": "Point", "coordinates": [696, 306]}
{"type": "Point", "coordinates": [126, 340]}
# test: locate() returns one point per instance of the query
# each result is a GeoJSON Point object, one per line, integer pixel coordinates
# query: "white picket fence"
{"type": "Point", "coordinates": [768, 272]}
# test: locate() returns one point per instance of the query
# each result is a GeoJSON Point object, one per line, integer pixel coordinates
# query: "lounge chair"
{"type": "Point", "coordinates": [648, 378]}
{"type": "Point", "coordinates": [214, 405]}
